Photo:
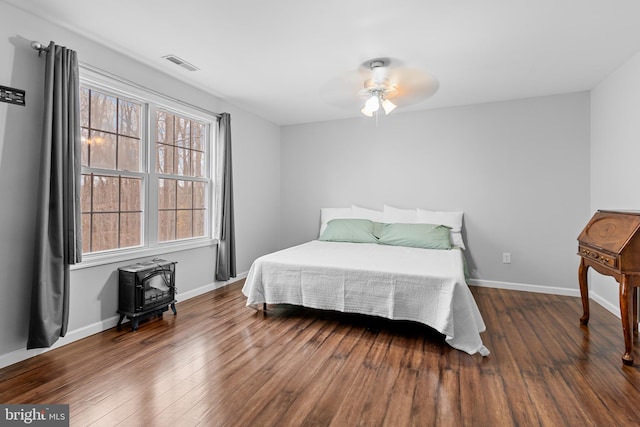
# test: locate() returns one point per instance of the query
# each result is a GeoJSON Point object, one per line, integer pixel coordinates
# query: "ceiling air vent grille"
{"type": "Point", "coordinates": [181, 62]}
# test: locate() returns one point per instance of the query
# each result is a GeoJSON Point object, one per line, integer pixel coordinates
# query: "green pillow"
{"type": "Point", "coordinates": [427, 236]}
{"type": "Point", "coordinates": [352, 230]}
{"type": "Point", "coordinates": [377, 228]}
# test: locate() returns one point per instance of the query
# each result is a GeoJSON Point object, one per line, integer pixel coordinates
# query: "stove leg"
{"type": "Point", "coordinates": [120, 322]}
{"type": "Point", "coordinates": [173, 308]}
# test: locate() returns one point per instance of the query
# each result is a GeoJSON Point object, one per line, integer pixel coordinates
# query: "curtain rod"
{"type": "Point", "coordinates": [40, 48]}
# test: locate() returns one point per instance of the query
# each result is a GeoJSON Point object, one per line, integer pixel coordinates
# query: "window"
{"type": "Point", "coordinates": [180, 161]}
{"type": "Point", "coordinates": [146, 170]}
{"type": "Point", "coordinates": [111, 180]}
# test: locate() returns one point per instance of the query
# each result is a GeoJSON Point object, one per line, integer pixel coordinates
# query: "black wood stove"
{"type": "Point", "coordinates": [146, 289]}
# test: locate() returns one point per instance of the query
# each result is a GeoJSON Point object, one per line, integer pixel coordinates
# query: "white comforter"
{"type": "Point", "coordinates": [422, 285]}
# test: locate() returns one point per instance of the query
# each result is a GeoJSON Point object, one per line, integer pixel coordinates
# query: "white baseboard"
{"type": "Point", "coordinates": [77, 334]}
{"type": "Point", "coordinates": [615, 310]}
{"type": "Point", "coordinates": [554, 290]}
{"type": "Point", "coordinates": [183, 296]}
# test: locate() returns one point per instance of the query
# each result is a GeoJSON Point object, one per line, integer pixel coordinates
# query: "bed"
{"type": "Point", "coordinates": [354, 274]}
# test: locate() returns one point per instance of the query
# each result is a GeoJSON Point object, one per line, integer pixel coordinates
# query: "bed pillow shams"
{"type": "Point", "coordinates": [365, 213]}
{"type": "Point", "coordinates": [353, 230]}
{"type": "Point", "coordinates": [426, 236]}
{"type": "Point", "coordinates": [393, 215]}
{"type": "Point", "coordinates": [327, 214]}
{"type": "Point", "coordinates": [452, 219]}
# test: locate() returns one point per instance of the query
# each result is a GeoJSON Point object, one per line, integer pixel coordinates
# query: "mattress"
{"type": "Point", "coordinates": [394, 282]}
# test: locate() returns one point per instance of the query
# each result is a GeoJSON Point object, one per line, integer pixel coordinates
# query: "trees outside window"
{"type": "Point", "coordinates": [127, 200]}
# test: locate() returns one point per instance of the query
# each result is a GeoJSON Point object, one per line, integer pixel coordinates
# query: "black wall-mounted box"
{"type": "Point", "coordinates": [12, 95]}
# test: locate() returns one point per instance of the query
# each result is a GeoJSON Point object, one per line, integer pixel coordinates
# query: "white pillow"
{"type": "Point", "coordinates": [364, 213]}
{"type": "Point", "coordinates": [394, 215]}
{"type": "Point", "coordinates": [327, 214]}
{"type": "Point", "coordinates": [451, 219]}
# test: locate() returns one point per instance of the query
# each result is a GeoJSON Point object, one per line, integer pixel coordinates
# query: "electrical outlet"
{"type": "Point", "coordinates": [506, 257]}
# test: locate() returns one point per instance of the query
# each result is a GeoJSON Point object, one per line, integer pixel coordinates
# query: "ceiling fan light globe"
{"type": "Point", "coordinates": [388, 106]}
{"type": "Point", "coordinates": [372, 103]}
{"type": "Point", "coordinates": [366, 112]}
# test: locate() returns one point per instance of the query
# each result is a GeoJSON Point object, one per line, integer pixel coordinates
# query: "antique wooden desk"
{"type": "Point", "coordinates": [610, 244]}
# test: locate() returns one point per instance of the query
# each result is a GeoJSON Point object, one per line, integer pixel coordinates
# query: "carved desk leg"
{"type": "Point", "coordinates": [635, 312]}
{"type": "Point", "coordinates": [626, 307]}
{"type": "Point", "coordinates": [584, 291]}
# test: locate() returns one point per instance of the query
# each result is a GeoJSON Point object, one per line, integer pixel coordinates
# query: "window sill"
{"type": "Point", "coordinates": [128, 255]}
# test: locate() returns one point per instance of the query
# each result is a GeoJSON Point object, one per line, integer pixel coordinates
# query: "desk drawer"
{"type": "Point", "coordinates": [598, 256]}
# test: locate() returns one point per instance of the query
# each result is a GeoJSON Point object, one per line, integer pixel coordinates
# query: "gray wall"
{"type": "Point", "coordinates": [615, 150]}
{"type": "Point", "coordinates": [94, 290]}
{"type": "Point", "coordinates": [519, 170]}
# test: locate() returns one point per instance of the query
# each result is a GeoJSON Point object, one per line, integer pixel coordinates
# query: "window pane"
{"type": "Point", "coordinates": [198, 164]}
{"type": "Point", "coordinates": [86, 233]}
{"type": "Point", "coordinates": [102, 150]}
{"type": "Point", "coordinates": [166, 225]}
{"type": "Point", "coordinates": [130, 229]}
{"type": "Point", "coordinates": [84, 138]}
{"type": "Point", "coordinates": [183, 157]}
{"type": "Point", "coordinates": [103, 112]}
{"type": "Point", "coordinates": [85, 193]}
{"type": "Point", "coordinates": [128, 118]}
{"type": "Point", "coordinates": [128, 154]}
{"type": "Point", "coordinates": [104, 232]}
{"type": "Point", "coordinates": [198, 136]}
{"type": "Point", "coordinates": [185, 195]}
{"type": "Point", "coordinates": [198, 223]}
{"type": "Point", "coordinates": [166, 194]}
{"type": "Point", "coordinates": [183, 228]}
{"type": "Point", "coordinates": [182, 132]}
{"type": "Point", "coordinates": [130, 194]}
{"type": "Point", "coordinates": [199, 195]}
{"type": "Point", "coordinates": [84, 107]}
{"type": "Point", "coordinates": [164, 127]}
{"type": "Point", "coordinates": [164, 159]}
{"type": "Point", "coordinates": [105, 193]}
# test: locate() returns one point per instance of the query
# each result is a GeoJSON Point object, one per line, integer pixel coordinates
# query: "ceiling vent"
{"type": "Point", "coordinates": [181, 62]}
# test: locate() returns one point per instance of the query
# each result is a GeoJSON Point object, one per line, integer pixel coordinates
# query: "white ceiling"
{"type": "Point", "coordinates": [275, 58]}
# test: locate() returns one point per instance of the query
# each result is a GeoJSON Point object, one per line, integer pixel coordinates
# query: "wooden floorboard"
{"type": "Point", "coordinates": [220, 363]}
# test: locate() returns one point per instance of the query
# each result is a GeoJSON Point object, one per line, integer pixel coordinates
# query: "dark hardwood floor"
{"type": "Point", "coordinates": [219, 363]}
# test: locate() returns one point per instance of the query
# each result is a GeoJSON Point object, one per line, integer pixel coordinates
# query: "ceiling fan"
{"type": "Point", "coordinates": [380, 83]}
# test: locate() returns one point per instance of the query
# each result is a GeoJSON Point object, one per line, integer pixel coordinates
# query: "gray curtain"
{"type": "Point", "coordinates": [226, 258]}
{"type": "Point", "coordinates": [58, 227]}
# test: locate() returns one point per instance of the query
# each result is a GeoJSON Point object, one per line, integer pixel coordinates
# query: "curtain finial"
{"type": "Point", "coordinates": [38, 46]}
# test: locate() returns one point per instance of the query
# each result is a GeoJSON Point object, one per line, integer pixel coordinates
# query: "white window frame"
{"type": "Point", "coordinates": [151, 102]}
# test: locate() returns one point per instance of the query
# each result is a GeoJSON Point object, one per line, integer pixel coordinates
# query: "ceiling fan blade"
{"type": "Point", "coordinates": [413, 85]}
{"type": "Point", "coordinates": [342, 91]}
